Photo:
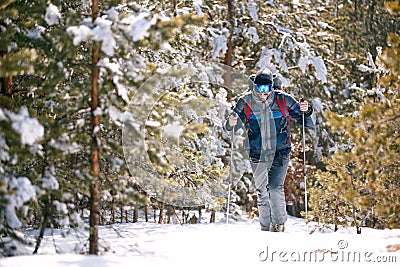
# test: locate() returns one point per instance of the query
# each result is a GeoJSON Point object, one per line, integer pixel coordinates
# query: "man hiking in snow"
{"type": "Point", "coordinates": [265, 113]}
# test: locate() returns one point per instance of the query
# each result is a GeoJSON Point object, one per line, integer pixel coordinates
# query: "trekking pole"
{"type": "Point", "coordinates": [304, 167]}
{"type": "Point", "coordinates": [230, 178]}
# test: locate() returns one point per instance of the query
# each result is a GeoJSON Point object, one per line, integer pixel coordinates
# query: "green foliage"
{"type": "Point", "coordinates": [294, 183]}
{"type": "Point", "coordinates": [188, 165]}
{"type": "Point", "coordinates": [51, 76]}
{"type": "Point", "coordinates": [328, 206]}
{"type": "Point", "coordinates": [366, 173]}
{"type": "Point", "coordinates": [362, 178]}
{"type": "Point", "coordinates": [390, 58]}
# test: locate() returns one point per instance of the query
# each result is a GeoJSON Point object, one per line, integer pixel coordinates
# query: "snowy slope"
{"type": "Point", "coordinates": [236, 244]}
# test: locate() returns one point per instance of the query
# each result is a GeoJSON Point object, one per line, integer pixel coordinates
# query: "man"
{"type": "Point", "coordinates": [265, 112]}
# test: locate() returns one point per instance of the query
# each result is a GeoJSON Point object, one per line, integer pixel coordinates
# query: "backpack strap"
{"type": "Point", "coordinates": [247, 110]}
{"type": "Point", "coordinates": [285, 114]}
{"type": "Point", "coordinates": [282, 106]}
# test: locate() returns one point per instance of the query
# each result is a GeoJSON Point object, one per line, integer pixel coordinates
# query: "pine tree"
{"type": "Point", "coordinates": [44, 70]}
{"type": "Point", "coordinates": [56, 93]}
{"type": "Point", "coordinates": [364, 173]}
{"type": "Point", "coordinates": [18, 146]}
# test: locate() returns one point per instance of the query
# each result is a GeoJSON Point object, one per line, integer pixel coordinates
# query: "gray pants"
{"type": "Point", "coordinates": [269, 179]}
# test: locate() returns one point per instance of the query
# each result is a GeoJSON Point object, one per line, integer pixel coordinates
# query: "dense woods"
{"type": "Point", "coordinates": [111, 110]}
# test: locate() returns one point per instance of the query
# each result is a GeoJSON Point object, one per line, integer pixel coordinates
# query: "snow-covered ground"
{"type": "Point", "coordinates": [239, 243]}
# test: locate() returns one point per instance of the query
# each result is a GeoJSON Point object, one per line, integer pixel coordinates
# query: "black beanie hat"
{"type": "Point", "coordinates": [263, 77]}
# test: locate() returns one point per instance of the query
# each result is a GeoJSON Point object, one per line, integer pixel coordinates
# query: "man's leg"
{"type": "Point", "coordinates": [277, 175]}
{"type": "Point", "coordinates": [260, 174]}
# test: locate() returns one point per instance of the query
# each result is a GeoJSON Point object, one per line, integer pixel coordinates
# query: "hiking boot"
{"type": "Point", "coordinates": [276, 227]}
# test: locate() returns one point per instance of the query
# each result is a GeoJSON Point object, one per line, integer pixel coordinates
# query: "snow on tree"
{"type": "Point", "coordinates": [52, 15]}
{"type": "Point", "coordinates": [361, 186]}
{"type": "Point", "coordinates": [318, 48]}
{"type": "Point", "coordinates": [30, 130]}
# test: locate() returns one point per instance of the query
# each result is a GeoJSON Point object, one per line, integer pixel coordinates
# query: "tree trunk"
{"type": "Point", "coordinates": [160, 217]}
{"type": "Point", "coordinates": [183, 216]}
{"type": "Point", "coordinates": [102, 219]}
{"type": "Point", "coordinates": [136, 213]}
{"type": "Point", "coordinates": [187, 214]}
{"type": "Point", "coordinates": [94, 188]}
{"type": "Point", "coordinates": [46, 217]}
{"type": "Point", "coordinates": [112, 212]}
{"type": "Point", "coordinates": [228, 54]}
{"type": "Point", "coordinates": [336, 214]}
{"type": "Point", "coordinates": [146, 210]}
{"type": "Point", "coordinates": [8, 86]}
{"type": "Point", "coordinates": [173, 7]}
{"type": "Point", "coordinates": [121, 211]}
{"type": "Point", "coordinates": [354, 208]}
{"type": "Point", "coordinates": [199, 219]}
{"type": "Point", "coordinates": [212, 218]}
{"type": "Point", "coordinates": [6, 89]}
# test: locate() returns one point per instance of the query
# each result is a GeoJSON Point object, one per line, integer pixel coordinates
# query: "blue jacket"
{"type": "Point", "coordinates": [281, 109]}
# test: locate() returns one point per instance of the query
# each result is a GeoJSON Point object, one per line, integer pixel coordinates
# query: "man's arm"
{"type": "Point", "coordinates": [296, 109]}
{"type": "Point", "coordinates": [236, 117]}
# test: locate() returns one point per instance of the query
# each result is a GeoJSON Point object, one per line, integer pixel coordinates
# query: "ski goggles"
{"type": "Point", "coordinates": [263, 88]}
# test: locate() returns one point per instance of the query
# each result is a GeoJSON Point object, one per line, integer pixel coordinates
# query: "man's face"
{"type": "Point", "coordinates": [263, 91]}
{"type": "Point", "coordinates": [264, 96]}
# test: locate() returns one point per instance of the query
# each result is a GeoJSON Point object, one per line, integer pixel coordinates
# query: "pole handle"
{"type": "Point", "coordinates": [230, 178]}
{"type": "Point", "coordinates": [304, 167]}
